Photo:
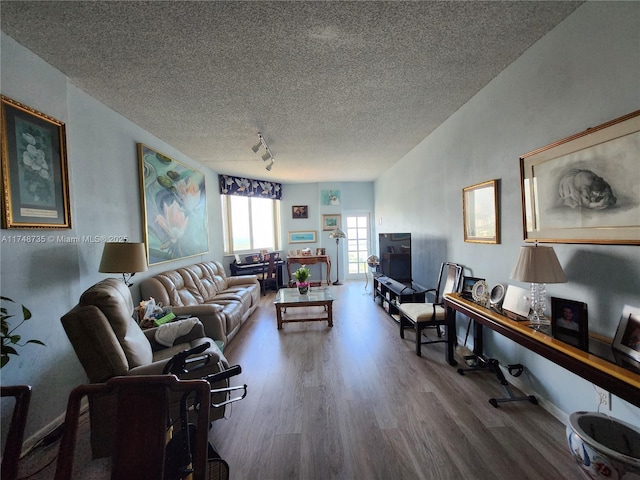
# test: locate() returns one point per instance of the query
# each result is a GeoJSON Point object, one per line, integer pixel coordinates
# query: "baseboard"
{"type": "Point", "coordinates": [39, 437]}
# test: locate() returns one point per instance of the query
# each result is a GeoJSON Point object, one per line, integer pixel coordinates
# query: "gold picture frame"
{"type": "Point", "coordinates": [480, 212]}
{"type": "Point", "coordinates": [35, 177]}
{"type": "Point", "coordinates": [583, 189]}
{"type": "Point", "coordinates": [331, 222]}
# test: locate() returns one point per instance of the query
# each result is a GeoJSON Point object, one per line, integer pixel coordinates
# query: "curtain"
{"type": "Point", "coordinates": [247, 187]}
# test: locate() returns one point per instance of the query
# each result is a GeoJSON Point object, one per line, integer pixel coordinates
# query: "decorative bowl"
{"type": "Point", "coordinates": [604, 447]}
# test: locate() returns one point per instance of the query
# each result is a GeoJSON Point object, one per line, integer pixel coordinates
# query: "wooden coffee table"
{"type": "Point", "coordinates": [288, 298]}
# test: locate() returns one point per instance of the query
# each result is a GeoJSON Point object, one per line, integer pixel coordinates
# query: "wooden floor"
{"type": "Point", "coordinates": [355, 402]}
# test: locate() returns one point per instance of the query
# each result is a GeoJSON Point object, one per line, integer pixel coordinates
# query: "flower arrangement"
{"type": "Point", "coordinates": [302, 279]}
{"type": "Point", "coordinates": [302, 275]}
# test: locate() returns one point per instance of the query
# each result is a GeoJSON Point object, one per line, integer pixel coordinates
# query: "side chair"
{"type": "Point", "coordinates": [420, 316]}
{"type": "Point", "coordinates": [15, 435]}
{"type": "Point", "coordinates": [269, 275]}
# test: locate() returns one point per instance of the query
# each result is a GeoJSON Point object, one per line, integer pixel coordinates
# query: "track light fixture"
{"type": "Point", "coordinates": [267, 156]}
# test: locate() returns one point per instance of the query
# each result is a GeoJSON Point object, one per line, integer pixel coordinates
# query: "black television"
{"type": "Point", "coordinates": [395, 256]}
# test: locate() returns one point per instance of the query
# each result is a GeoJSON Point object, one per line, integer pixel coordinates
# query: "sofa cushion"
{"type": "Point", "coordinates": [113, 298]}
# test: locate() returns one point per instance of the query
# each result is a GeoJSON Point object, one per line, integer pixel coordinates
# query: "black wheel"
{"type": "Point", "coordinates": [533, 399]}
{"type": "Point", "coordinates": [493, 402]}
{"type": "Point", "coordinates": [461, 371]}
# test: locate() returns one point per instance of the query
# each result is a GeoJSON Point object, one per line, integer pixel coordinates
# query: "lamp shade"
{"type": "Point", "coordinates": [121, 257]}
{"type": "Point", "coordinates": [337, 233]}
{"type": "Point", "coordinates": [538, 264]}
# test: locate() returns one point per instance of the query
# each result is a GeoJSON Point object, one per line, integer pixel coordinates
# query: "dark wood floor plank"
{"type": "Point", "coordinates": [354, 402]}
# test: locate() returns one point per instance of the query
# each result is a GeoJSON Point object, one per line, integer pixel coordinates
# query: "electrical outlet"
{"type": "Point", "coordinates": [603, 397]}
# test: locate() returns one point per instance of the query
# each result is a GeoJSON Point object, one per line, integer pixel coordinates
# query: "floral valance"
{"type": "Point", "coordinates": [247, 187]}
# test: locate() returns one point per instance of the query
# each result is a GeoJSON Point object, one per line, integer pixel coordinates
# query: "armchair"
{"type": "Point", "coordinates": [432, 314]}
{"type": "Point", "coordinates": [110, 343]}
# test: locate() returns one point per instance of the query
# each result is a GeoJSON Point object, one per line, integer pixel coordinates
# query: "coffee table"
{"type": "Point", "coordinates": [288, 298]}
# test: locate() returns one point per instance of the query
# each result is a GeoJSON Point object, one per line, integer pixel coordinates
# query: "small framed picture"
{"type": "Point", "coordinates": [321, 252]}
{"type": "Point", "coordinates": [627, 339]}
{"type": "Point", "coordinates": [467, 286]}
{"type": "Point", "coordinates": [569, 322]}
{"type": "Point", "coordinates": [331, 222]}
{"type": "Point", "coordinates": [300, 211]}
{"type": "Point", "coordinates": [305, 236]}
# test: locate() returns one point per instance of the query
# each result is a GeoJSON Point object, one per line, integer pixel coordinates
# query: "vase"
{"type": "Point", "coordinates": [604, 447]}
{"type": "Point", "coordinates": [303, 287]}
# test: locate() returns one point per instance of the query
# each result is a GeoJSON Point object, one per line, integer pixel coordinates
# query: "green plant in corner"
{"type": "Point", "coordinates": [9, 339]}
{"type": "Point", "coordinates": [302, 274]}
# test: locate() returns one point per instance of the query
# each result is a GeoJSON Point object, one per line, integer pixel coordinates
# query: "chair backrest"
{"type": "Point", "coordinates": [106, 338]}
{"type": "Point", "coordinates": [448, 280]}
{"type": "Point", "coordinates": [270, 267]}
{"type": "Point", "coordinates": [141, 425]}
{"type": "Point", "coordinates": [13, 445]}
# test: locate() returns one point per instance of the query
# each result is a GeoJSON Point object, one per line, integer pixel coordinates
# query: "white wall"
{"type": "Point", "coordinates": [105, 200]}
{"type": "Point", "coordinates": [583, 73]}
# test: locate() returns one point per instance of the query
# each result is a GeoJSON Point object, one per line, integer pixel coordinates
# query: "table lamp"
{"type": "Point", "coordinates": [337, 234]}
{"type": "Point", "coordinates": [539, 266]}
{"type": "Point", "coordinates": [125, 258]}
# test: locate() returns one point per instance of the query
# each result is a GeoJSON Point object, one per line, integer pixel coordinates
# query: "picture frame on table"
{"type": "Point", "coordinates": [300, 211]}
{"type": "Point", "coordinates": [627, 339]}
{"type": "Point", "coordinates": [583, 188]}
{"type": "Point", "coordinates": [480, 213]}
{"type": "Point", "coordinates": [331, 222]}
{"type": "Point", "coordinates": [569, 322]}
{"type": "Point", "coordinates": [303, 236]}
{"type": "Point", "coordinates": [35, 176]}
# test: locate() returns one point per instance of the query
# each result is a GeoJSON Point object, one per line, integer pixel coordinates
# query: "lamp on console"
{"type": "Point", "coordinates": [124, 258]}
{"type": "Point", "coordinates": [337, 234]}
{"type": "Point", "coordinates": [539, 266]}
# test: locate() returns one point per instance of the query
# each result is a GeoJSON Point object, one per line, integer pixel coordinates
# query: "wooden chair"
{"type": "Point", "coordinates": [141, 425]}
{"type": "Point", "coordinates": [269, 275]}
{"type": "Point", "coordinates": [420, 316]}
{"type": "Point", "coordinates": [13, 445]}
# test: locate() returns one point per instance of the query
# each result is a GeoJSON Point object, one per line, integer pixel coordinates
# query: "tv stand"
{"type": "Point", "coordinates": [390, 293]}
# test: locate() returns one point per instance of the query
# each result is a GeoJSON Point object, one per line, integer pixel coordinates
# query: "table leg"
{"type": "Point", "coordinates": [279, 316]}
{"type": "Point", "coordinates": [450, 329]}
{"type": "Point", "coordinates": [330, 314]}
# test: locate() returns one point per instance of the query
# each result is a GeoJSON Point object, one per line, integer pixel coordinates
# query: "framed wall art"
{"type": "Point", "coordinates": [627, 339]}
{"type": "Point", "coordinates": [35, 179]}
{"type": "Point", "coordinates": [330, 197]}
{"type": "Point", "coordinates": [174, 207]}
{"type": "Point", "coordinates": [331, 222]}
{"type": "Point", "coordinates": [569, 322]}
{"type": "Point", "coordinates": [584, 188]}
{"type": "Point", "coordinates": [300, 211]}
{"type": "Point", "coordinates": [305, 236]}
{"type": "Point", "coordinates": [480, 213]}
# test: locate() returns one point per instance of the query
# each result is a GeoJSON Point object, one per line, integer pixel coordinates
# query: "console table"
{"type": "Point", "coordinates": [310, 260]}
{"type": "Point", "coordinates": [597, 365]}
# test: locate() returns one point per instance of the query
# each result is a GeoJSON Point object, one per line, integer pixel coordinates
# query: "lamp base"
{"type": "Point", "coordinates": [337, 282]}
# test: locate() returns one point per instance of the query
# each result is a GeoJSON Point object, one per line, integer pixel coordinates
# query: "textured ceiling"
{"type": "Point", "coordinates": [340, 90]}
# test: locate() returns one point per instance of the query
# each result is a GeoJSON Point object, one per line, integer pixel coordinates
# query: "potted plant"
{"type": "Point", "coordinates": [9, 338]}
{"type": "Point", "coordinates": [302, 279]}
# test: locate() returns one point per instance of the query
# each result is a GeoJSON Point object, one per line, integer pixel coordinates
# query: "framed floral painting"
{"type": "Point", "coordinates": [174, 207]}
{"type": "Point", "coordinates": [35, 180]}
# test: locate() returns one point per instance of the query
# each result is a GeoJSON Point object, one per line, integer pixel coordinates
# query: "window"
{"type": "Point", "coordinates": [250, 223]}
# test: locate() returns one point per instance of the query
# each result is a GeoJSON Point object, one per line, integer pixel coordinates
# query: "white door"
{"type": "Point", "coordinates": [358, 244]}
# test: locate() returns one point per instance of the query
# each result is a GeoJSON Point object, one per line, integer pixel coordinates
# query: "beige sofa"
{"type": "Point", "coordinates": [223, 304]}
